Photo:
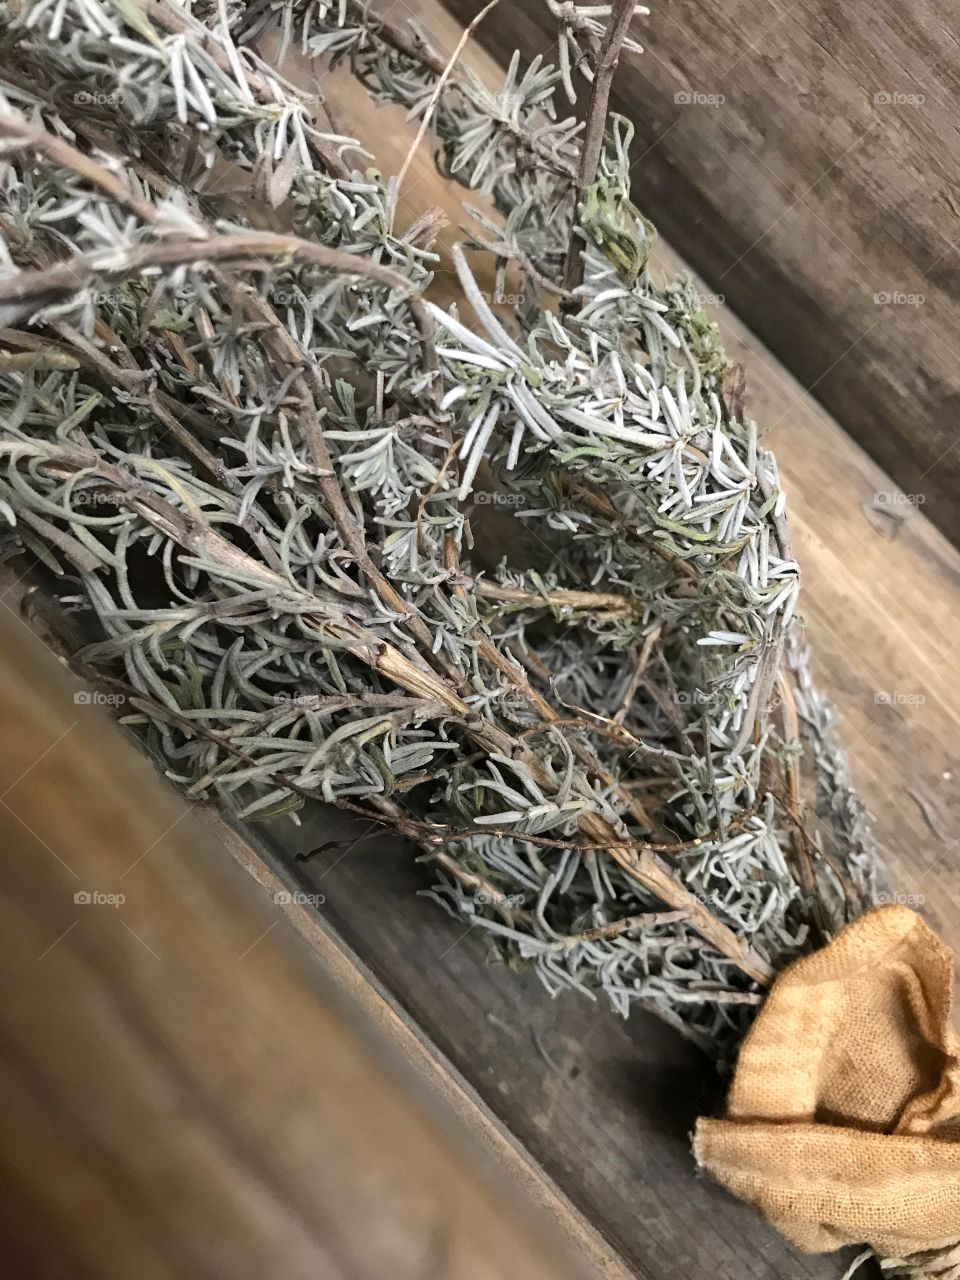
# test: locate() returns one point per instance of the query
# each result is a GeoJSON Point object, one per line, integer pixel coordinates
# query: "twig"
{"type": "Point", "coordinates": [380, 28]}
{"type": "Point", "coordinates": [20, 133]}
{"type": "Point", "coordinates": [597, 601]}
{"type": "Point", "coordinates": [590, 722]}
{"type": "Point", "coordinates": [712, 773]}
{"type": "Point", "coordinates": [438, 90]}
{"type": "Point", "coordinates": [615, 928]}
{"type": "Point", "coordinates": [607, 59]}
{"type": "Point", "coordinates": [26, 288]}
{"type": "Point", "coordinates": [636, 675]}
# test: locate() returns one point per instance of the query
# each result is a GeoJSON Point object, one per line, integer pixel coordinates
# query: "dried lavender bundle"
{"type": "Point", "coordinates": [248, 448]}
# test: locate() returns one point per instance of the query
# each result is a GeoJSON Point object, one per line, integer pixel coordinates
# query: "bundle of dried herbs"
{"type": "Point", "coordinates": [258, 463]}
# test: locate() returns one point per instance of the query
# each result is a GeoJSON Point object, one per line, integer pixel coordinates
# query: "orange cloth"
{"type": "Point", "coordinates": [843, 1122]}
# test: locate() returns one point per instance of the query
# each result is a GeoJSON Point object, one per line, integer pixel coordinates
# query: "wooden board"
{"type": "Point", "coordinates": [605, 1106]}
{"type": "Point", "coordinates": [188, 1090]}
{"type": "Point", "coordinates": [820, 183]}
{"type": "Point", "coordinates": [608, 1114]}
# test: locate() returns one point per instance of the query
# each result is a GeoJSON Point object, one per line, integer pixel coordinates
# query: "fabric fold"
{"type": "Point", "coordinates": [843, 1120]}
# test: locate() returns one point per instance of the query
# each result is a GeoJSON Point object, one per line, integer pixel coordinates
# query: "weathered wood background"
{"type": "Point", "coordinates": [604, 1106]}
{"type": "Point", "coordinates": [188, 1091]}
{"type": "Point", "coordinates": [607, 1106]}
{"type": "Point", "coordinates": [804, 158]}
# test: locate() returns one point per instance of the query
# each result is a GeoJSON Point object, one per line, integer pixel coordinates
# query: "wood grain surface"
{"type": "Point", "coordinates": [604, 1106]}
{"type": "Point", "coordinates": [187, 1089]}
{"type": "Point", "coordinates": [607, 1106]}
{"type": "Point", "coordinates": [804, 157]}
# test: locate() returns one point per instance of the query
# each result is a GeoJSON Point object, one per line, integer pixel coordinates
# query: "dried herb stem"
{"type": "Point", "coordinates": [608, 57]}
{"type": "Point", "coordinates": [442, 79]}
{"type": "Point", "coordinates": [82, 270]}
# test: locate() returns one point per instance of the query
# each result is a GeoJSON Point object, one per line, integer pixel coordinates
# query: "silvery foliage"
{"type": "Point", "coordinates": [656, 587]}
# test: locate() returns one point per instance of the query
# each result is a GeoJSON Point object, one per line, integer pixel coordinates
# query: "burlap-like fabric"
{"type": "Point", "coordinates": [843, 1122]}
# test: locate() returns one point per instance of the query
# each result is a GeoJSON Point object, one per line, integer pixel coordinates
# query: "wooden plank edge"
{"type": "Point", "coordinates": [428, 1073]}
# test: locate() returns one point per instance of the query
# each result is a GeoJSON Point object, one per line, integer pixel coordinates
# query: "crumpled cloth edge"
{"type": "Point", "coordinates": [823, 1183]}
